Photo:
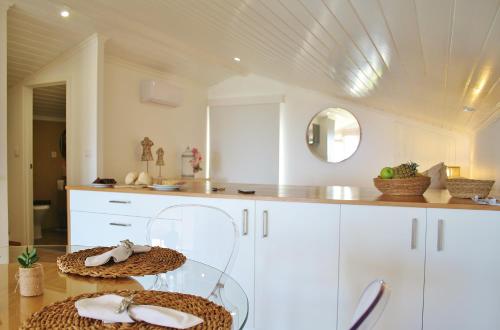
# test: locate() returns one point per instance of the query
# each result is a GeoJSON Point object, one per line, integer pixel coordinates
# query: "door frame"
{"type": "Point", "coordinates": [27, 173]}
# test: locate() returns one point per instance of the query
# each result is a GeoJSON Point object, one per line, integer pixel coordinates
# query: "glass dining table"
{"type": "Point", "coordinates": [192, 278]}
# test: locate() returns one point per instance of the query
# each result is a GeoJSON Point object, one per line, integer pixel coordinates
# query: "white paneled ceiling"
{"type": "Point", "coordinates": [33, 42]}
{"type": "Point", "coordinates": [425, 59]}
{"type": "Point", "coordinates": [49, 102]}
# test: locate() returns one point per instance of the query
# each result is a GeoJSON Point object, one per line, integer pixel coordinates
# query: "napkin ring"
{"type": "Point", "coordinates": [125, 304]}
{"type": "Point", "coordinates": [127, 244]}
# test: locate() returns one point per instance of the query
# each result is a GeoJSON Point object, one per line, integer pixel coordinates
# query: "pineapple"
{"type": "Point", "coordinates": [404, 171]}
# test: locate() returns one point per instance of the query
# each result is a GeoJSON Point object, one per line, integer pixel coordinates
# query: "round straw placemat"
{"type": "Point", "coordinates": [64, 315]}
{"type": "Point", "coordinates": [157, 260]}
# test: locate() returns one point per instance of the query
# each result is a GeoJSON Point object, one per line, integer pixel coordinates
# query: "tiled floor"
{"type": "Point", "coordinates": [52, 237]}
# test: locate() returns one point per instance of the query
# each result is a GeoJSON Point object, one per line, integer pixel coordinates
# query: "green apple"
{"type": "Point", "coordinates": [387, 173]}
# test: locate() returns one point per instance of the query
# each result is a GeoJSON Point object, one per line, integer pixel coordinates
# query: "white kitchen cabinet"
{"type": "Point", "coordinates": [462, 276]}
{"type": "Point", "coordinates": [296, 265]}
{"type": "Point", "coordinates": [388, 243]}
{"type": "Point", "coordinates": [97, 218]}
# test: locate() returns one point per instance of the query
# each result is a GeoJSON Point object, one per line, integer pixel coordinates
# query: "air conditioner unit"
{"type": "Point", "coordinates": [161, 92]}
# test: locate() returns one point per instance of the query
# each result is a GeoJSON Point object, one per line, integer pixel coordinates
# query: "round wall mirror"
{"type": "Point", "coordinates": [333, 135]}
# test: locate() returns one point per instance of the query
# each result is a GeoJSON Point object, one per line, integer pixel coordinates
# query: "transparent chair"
{"type": "Point", "coordinates": [202, 233]}
{"type": "Point", "coordinates": [370, 306]}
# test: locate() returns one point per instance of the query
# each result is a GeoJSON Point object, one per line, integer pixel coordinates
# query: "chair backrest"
{"type": "Point", "coordinates": [203, 233]}
{"type": "Point", "coordinates": [370, 306]}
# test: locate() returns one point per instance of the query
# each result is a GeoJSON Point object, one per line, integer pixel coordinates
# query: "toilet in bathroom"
{"type": "Point", "coordinates": [40, 210]}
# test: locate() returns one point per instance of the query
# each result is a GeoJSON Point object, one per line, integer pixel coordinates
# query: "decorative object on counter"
{"type": "Point", "coordinates": [415, 186]}
{"type": "Point", "coordinates": [406, 170]}
{"type": "Point", "coordinates": [146, 155]}
{"type": "Point", "coordinates": [159, 161]}
{"type": "Point", "coordinates": [119, 254]}
{"type": "Point", "coordinates": [144, 179]}
{"type": "Point", "coordinates": [452, 172]}
{"type": "Point", "coordinates": [64, 314]}
{"type": "Point", "coordinates": [402, 180]}
{"type": "Point", "coordinates": [167, 185]}
{"type": "Point", "coordinates": [438, 175]}
{"type": "Point", "coordinates": [131, 177]}
{"type": "Point", "coordinates": [486, 201]}
{"type": "Point", "coordinates": [469, 188]}
{"type": "Point", "coordinates": [157, 260]}
{"type": "Point", "coordinates": [246, 192]}
{"type": "Point", "coordinates": [191, 162]}
{"type": "Point", "coordinates": [333, 135]}
{"type": "Point", "coordinates": [30, 274]}
{"type": "Point", "coordinates": [196, 161]}
{"type": "Point", "coordinates": [103, 183]}
{"type": "Point", "coordinates": [187, 168]}
{"type": "Point", "coordinates": [216, 189]}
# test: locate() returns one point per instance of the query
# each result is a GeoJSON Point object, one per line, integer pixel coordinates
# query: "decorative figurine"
{"type": "Point", "coordinates": [159, 161]}
{"type": "Point", "coordinates": [146, 151]}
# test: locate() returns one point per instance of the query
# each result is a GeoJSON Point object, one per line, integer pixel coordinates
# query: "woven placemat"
{"type": "Point", "coordinates": [63, 314]}
{"type": "Point", "coordinates": [158, 260]}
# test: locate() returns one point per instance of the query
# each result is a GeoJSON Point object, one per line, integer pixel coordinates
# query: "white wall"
{"type": "Point", "coordinates": [386, 140]}
{"type": "Point", "coordinates": [486, 152]}
{"type": "Point", "coordinates": [3, 126]}
{"type": "Point", "coordinates": [79, 68]}
{"type": "Point", "coordinates": [127, 121]}
{"type": "Point", "coordinates": [244, 143]}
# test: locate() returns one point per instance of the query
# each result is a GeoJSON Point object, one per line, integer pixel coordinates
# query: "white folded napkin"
{"type": "Point", "coordinates": [118, 254]}
{"type": "Point", "coordinates": [105, 308]}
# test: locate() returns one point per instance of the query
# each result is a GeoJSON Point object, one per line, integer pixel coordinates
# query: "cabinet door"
{"type": "Point", "coordinates": [296, 265]}
{"type": "Point", "coordinates": [243, 213]}
{"type": "Point", "coordinates": [387, 243]}
{"type": "Point", "coordinates": [462, 278]}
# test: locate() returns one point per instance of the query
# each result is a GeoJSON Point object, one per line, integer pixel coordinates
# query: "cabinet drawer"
{"type": "Point", "coordinates": [139, 205]}
{"type": "Point", "coordinates": [94, 229]}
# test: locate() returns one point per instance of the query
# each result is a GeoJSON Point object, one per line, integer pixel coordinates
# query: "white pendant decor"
{"type": "Point", "coordinates": [187, 160]}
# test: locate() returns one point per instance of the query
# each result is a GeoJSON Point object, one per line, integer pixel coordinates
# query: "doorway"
{"type": "Point", "coordinates": [49, 165]}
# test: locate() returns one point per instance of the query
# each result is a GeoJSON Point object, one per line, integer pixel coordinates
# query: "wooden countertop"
{"type": "Point", "coordinates": [433, 198]}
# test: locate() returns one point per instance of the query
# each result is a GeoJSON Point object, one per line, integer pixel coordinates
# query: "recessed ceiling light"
{"type": "Point", "coordinates": [469, 109]}
{"type": "Point", "coordinates": [236, 59]}
{"type": "Point", "coordinates": [64, 13]}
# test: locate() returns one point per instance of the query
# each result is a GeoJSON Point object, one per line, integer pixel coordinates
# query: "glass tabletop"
{"type": "Point", "coordinates": [192, 278]}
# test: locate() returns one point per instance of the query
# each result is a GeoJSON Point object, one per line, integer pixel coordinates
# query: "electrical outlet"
{"type": "Point", "coordinates": [53, 154]}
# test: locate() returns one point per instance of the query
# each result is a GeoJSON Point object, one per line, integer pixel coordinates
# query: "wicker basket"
{"type": "Point", "coordinates": [468, 188]}
{"type": "Point", "coordinates": [415, 186]}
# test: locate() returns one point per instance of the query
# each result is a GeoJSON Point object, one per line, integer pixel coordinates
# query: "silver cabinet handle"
{"type": "Point", "coordinates": [414, 229]}
{"type": "Point", "coordinates": [265, 224]}
{"type": "Point", "coordinates": [120, 224]}
{"type": "Point", "coordinates": [245, 222]}
{"type": "Point", "coordinates": [440, 235]}
{"type": "Point", "coordinates": [120, 202]}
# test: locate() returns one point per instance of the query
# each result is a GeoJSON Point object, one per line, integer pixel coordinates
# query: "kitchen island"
{"type": "Point", "coordinates": [306, 253]}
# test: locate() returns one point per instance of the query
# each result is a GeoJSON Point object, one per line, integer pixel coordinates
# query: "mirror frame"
{"type": "Point", "coordinates": [310, 122]}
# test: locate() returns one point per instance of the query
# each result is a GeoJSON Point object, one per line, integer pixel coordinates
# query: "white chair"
{"type": "Point", "coordinates": [370, 306]}
{"type": "Point", "coordinates": [202, 233]}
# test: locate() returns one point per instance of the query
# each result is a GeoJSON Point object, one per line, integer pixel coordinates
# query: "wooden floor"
{"type": "Point", "coordinates": [52, 237]}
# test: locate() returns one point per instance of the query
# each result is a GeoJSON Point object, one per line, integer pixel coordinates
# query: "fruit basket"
{"type": "Point", "coordinates": [414, 186]}
{"type": "Point", "coordinates": [468, 188]}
